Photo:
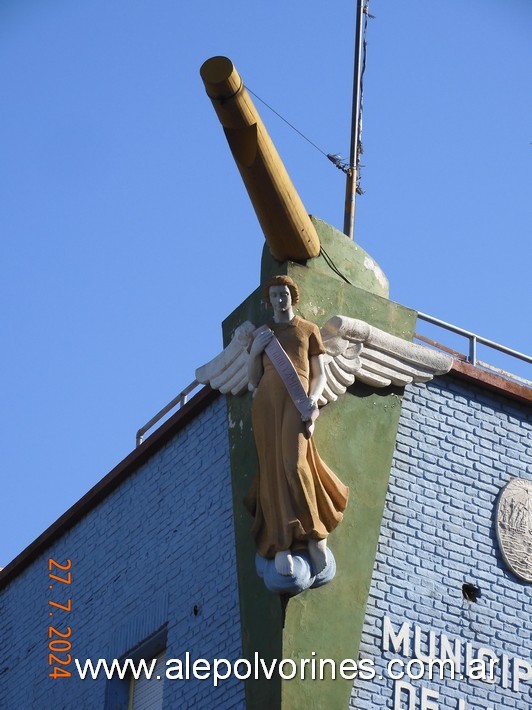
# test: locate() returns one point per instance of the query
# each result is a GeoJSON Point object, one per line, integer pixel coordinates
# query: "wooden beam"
{"type": "Point", "coordinates": [286, 225]}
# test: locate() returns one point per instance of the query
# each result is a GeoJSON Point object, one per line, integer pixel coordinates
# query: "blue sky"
{"type": "Point", "coordinates": [128, 236]}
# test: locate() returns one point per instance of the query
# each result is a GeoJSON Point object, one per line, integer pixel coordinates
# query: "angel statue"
{"type": "Point", "coordinates": [296, 498]}
{"type": "Point", "coordinates": [292, 368]}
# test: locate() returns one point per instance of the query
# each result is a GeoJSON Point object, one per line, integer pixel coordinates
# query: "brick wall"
{"type": "Point", "coordinates": [457, 447]}
{"type": "Point", "coordinates": [158, 552]}
{"type": "Point", "coordinates": [157, 549]}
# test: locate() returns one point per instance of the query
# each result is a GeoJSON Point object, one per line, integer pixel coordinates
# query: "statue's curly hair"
{"type": "Point", "coordinates": [281, 281]}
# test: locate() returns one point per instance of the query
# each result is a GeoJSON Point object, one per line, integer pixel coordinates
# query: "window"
{"type": "Point", "coordinates": [130, 693]}
{"type": "Point", "coordinates": [147, 694]}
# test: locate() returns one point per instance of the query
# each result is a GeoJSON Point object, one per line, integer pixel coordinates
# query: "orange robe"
{"type": "Point", "coordinates": [296, 496]}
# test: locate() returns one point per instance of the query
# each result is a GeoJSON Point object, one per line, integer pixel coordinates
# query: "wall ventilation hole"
{"type": "Point", "coordinates": [196, 609]}
{"type": "Point", "coordinates": [470, 592]}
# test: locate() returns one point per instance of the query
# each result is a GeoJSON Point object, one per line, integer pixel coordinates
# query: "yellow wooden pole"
{"type": "Point", "coordinates": [286, 225]}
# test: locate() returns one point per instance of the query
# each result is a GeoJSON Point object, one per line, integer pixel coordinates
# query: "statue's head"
{"type": "Point", "coordinates": [281, 281]}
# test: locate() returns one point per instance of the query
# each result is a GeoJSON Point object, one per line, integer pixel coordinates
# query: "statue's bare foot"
{"type": "Point", "coordinates": [317, 550]}
{"type": "Point", "coordinates": [284, 563]}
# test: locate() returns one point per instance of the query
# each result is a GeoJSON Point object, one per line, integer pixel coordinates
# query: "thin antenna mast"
{"type": "Point", "coordinates": [352, 176]}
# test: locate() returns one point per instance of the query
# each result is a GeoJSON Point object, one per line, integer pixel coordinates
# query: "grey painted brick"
{"type": "Point", "coordinates": [160, 543]}
{"type": "Point", "coordinates": [166, 536]}
{"type": "Point", "coordinates": [479, 440]}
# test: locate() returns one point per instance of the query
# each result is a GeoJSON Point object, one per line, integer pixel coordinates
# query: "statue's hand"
{"type": "Point", "coordinates": [312, 405]}
{"type": "Point", "coordinates": [260, 342]}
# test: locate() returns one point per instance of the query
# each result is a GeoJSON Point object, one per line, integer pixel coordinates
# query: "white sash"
{"type": "Point", "coordinates": [287, 372]}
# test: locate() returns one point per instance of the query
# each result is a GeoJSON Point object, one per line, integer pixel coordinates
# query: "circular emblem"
{"type": "Point", "coordinates": [514, 526]}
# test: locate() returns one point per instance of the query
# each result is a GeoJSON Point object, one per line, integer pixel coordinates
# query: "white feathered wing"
{"type": "Point", "coordinates": [228, 371]}
{"type": "Point", "coordinates": [357, 350]}
{"type": "Point", "coordinates": [354, 350]}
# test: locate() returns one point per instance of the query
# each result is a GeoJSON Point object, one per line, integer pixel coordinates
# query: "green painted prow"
{"type": "Point", "coordinates": [355, 436]}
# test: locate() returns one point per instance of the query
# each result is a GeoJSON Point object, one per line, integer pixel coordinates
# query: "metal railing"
{"type": "Point", "coordinates": [474, 340]}
{"type": "Point", "coordinates": [178, 401]}
{"type": "Point", "coordinates": [471, 358]}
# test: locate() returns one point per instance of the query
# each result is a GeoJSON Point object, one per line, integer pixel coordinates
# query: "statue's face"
{"type": "Point", "coordinates": [280, 298]}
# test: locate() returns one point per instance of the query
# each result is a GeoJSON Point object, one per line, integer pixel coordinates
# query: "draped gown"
{"type": "Point", "coordinates": [295, 496]}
